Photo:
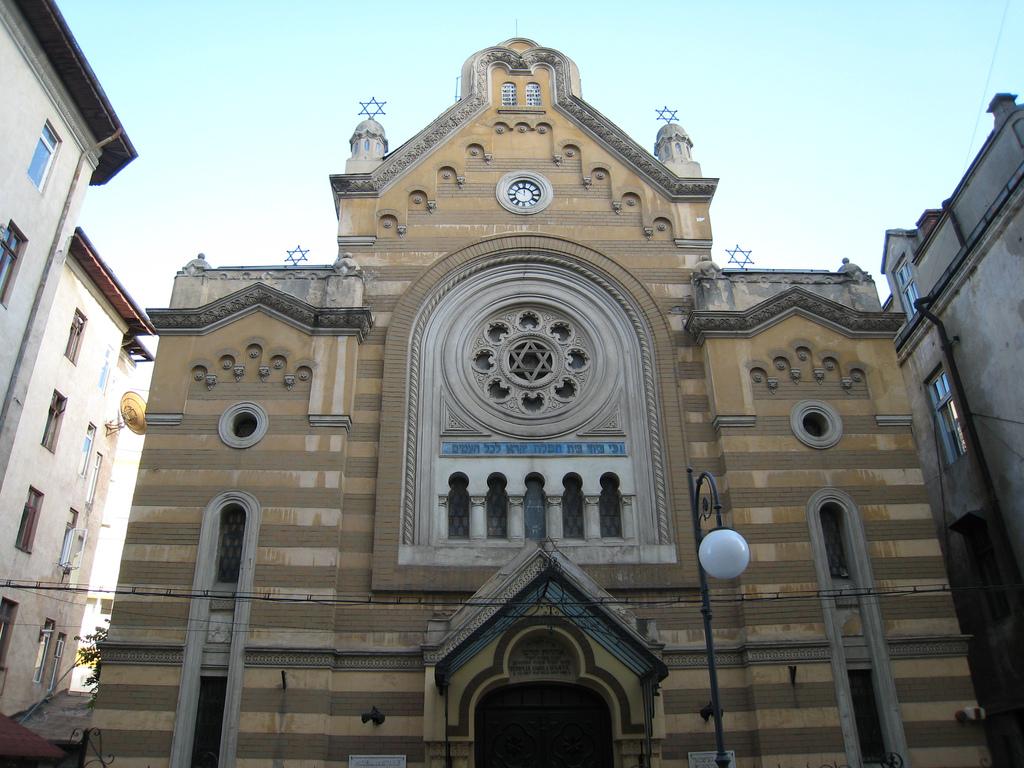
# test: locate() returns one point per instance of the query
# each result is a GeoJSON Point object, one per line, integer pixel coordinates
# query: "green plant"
{"type": "Point", "coordinates": [89, 656]}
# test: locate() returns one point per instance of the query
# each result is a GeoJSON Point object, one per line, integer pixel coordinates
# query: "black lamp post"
{"type": "Point", "coordinates": [724, 554]}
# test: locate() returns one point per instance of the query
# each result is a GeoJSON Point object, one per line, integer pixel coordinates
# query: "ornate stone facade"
{"type": "Point", "coordinates": [472, 487]}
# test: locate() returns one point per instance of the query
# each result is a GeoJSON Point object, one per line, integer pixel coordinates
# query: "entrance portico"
{"type": "Point", "coordinates": [539, 668]}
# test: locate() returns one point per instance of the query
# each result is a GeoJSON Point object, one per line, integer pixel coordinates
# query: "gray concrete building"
{"type": "Point", "coordinates": [959, 276]}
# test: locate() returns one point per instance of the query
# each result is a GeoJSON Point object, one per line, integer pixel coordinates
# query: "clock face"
{"type": "Point", "coordinates": [524, 193]}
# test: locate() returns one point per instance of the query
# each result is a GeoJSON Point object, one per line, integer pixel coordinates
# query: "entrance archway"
{"type": "Point", "coordinates": [543, 726]}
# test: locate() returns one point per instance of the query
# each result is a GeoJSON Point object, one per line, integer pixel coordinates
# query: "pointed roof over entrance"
{"type": "Point", "coordinates": [542, 576]}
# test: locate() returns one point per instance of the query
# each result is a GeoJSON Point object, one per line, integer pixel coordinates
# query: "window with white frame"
{"type": "Point", "coordinates": [508, 94]}
{"type": "Point", "coordinates": [11, 244]}
{"type": "Point", "coordinates": [42, 158]}
{"type": "Point", "coordinates": [951, 433]}
{"type": "Point", "coordinates": [58, 653]}
{"type": "Point", "coordinates": [95, 479]}
{"type": "Point", "coordinates": [105, 370]}
{"type": "Point", "coordinates": [74, 544]}
{"type": "Point", "coordinates": [907, 288]}
{"type": "Point", "coordinates": [90, 438]}
{"type": "Point", "coordinates": [533, 95]}
{"type": "Point", "coordinates": [75, 336]}
{"type": "Point", "coordinates": [43, 651]}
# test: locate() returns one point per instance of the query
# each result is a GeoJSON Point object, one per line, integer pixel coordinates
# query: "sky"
{"type": "Point", "coordinates": [826, 122]}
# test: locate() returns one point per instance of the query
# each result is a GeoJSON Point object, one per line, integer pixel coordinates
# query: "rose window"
{"type": "Point", "coordinates": [530, 361]}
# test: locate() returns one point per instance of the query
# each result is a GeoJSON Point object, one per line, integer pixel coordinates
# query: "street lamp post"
{"type": "Point", "coordinates": [724, 554]}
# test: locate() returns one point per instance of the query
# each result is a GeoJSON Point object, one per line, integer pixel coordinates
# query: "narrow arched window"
{"type": "Point", "coordinates": [496, 502]}
{"type": "Point", "coordinates": [535, 507]}
{"type": "Point", "coordinates": [458, 506]}
{"type": "Point", "coordinates": [366, 145]}
{"type": "Point", "coordinates": [532, 95]}
{"type": "Point", "coordinates": [508, 94]}
{"type": "Point", "coordinates": [832, 533]}
{"type": "Point", "coordinates": [572, 507]}
{"type": "Point", "coordinates": [610, 506]}
{"type": "Point", "coordinates": [229, 544]}
{"type": "Point", "coordinates": [679, 148]}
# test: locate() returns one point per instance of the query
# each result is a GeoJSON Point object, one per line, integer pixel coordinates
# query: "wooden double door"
{"type": "Point", "coordinates": [543, 726]}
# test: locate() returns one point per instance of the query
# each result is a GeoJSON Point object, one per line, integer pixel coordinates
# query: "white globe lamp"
{"type": "Point", "coordinates": [724, 553]}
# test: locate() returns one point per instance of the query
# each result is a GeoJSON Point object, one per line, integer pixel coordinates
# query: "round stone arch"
{"type": "Point", "coordinates": [402, 366]}
{"type": "Point", "coordinates": [626, 718]}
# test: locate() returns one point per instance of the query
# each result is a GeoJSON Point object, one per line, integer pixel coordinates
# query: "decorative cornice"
{"type": "Point", "coordinates": [117, 653]}
{"type": "Point", "coordinates": [342, 321]}
{"type": "Point", "coordinates": [894, 420]}
{"type": "Point", "coordinates": [593, 122]}
{"type": "Point", "coordinates": [164, 419]}
{"type": "Point", "coordinates": [748, 655]}
{"type": "Point", "coordinates": [704, 323]}
{"type": "Point", "coordinates": [720, 422]}
{"type": "Point", "coordinates": [331, 420]}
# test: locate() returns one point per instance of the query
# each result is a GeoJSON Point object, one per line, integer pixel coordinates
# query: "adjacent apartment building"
{"type": "Point", "coordinates": [959, 277]}
{"type": "Point", "coordinates": [429, 504]}
{"type": "Point", "coordinates": [67, 330]}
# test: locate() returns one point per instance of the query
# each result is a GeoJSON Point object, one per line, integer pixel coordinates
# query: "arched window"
{"type": "Point", "coordinates": [229, 544]}
{"type": "Point", "coordinates": [366, 144]}
{"type": "Point", "coordinates": [535, 507]}
{"type": "Point", "coordinates": [458, 506]}
{"type": "Point", "coordinates": [533, 95]}
{"type": "Point", "coordinates": [832, 534]}
{"type": "Point", "coordinates": [610, 506]}
{"type": "Point", "coordinates": [508, 94]}
{"type": "Point", "coordinates": [497, 507]}
{"type": "Point", "coordinates": [572, 507]}
{"type": "Point", "coordinates": [679, 148]}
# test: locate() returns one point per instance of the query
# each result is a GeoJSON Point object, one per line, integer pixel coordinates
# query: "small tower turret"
{"type": "Point", "coordinates": [369, 144]}
{"type": "Point", "coordinates": [672, 148]}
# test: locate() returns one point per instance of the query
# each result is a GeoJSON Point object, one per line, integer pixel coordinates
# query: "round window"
{"type": "Point", "coordinates": [816, 424]}
{"type": "Point", "coordinates": [242, 425]}
{"type": "Point", "coordinates": [524, 192]}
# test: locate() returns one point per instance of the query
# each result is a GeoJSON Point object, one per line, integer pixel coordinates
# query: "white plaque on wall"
{"type": "Point", "coordinates": [376, 761]}
{"type": "Point", "coordinates": [707, 759]}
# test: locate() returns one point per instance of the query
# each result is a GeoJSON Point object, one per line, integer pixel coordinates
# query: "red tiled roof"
{"type": "Point", "coordinates": [18, 741]}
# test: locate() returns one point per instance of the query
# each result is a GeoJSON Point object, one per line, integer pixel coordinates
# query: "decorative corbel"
{"type": "Point", "coordinates": [431, 206]}
{"type": "Point", "coordinates": [289, 381]}
{"type": "Point", "coordinates": [488, 157]}
{"type": "Point", "coordinates": [794, 374]}
{"type": "Point", "coordinates": [401, 229]}
{"type": "Point", "coordinates": [773, 384]}
{"type": "Point", "coordinates": [211, 380]}
{"type": "Point", "coordinates": [617, 207]}
{"type": "Point", "coordinates": [588, 182]}
{"type": "Point", "coordinates": [648, 232]}
{"type": "Point", "coordinates": [264, 372]}
{"type": "Point", "coordinates": [819, 375]}
{"type": "Point", "coordinates": [460, 181]}
{"type": "Point", "coordinates": [557, 159]}
{"type": "Point", "coordinates": [239, 371]}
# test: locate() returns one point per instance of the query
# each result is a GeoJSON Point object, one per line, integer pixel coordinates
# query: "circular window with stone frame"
{"type": "Point", "coordinates": [816, 424]}
{"type": "Point", "coordinates": [524, 192]}
{"type": "Point", "coordinates": [243, 425]}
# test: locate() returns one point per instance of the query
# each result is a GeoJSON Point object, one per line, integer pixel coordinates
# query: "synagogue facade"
{"type": "Point", "coordinates": [430, 503]}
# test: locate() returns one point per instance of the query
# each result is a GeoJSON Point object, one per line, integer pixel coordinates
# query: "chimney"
{"type": "Point", "coordinates": [927, 223]}
{"type": "Point", "coordinates": [1002, 106]}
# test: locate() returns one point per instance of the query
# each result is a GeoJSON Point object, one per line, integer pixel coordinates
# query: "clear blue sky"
{"type": "Point", "coordinates": [826, 122]}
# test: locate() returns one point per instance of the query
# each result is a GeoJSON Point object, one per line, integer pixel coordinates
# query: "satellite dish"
{"type": "Point", "coordinates": [133, 412]}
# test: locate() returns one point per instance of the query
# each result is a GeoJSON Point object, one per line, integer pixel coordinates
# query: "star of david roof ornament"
{"type": "Point", "coordinates": [296, 255]}
{"type": "Point", "coordinates": [668, 115]}
{"type": "Point", "coordinates": [739, 257]}
{"type": "Point", "coordinates": [372, 108]}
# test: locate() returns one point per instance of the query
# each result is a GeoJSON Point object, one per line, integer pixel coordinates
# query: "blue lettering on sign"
{"type": "Point", "coordinates": [450, 448]}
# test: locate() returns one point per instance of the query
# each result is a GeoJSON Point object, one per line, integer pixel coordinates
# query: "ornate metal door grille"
{"type": "Point", "coordinates": [543, 726]}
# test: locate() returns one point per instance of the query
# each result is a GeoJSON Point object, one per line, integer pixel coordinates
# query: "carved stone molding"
{"type": "Point", "coordinates": [705, 323]}
{"type": "Point", "coordinates": [315, 321]}
{"type": "Point", "coordinates": [331, 420]}
{"type": "Point", "coordinates": [127, 654]}
{"type": "Point", "coordinates": [796, 652]}
{"type": "Point", "coordinates": [476, 101]}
